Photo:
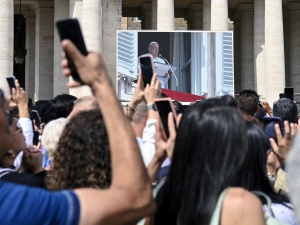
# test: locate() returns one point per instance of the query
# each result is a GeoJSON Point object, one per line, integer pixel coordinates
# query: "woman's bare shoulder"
{"type": "Point", "coordinates": [241, 207]}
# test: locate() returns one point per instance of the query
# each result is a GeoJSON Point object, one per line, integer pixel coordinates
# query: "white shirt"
{"type": "Point", "coordinates": [147, 146]}
{"type": "Point", "coordinates": [27, 130]}
{"type": "Point", "coordinates": [284, 214]}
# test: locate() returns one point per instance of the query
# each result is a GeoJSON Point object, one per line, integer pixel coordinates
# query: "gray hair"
{"type": "Point", "coordinates": [152, 43]}
{"type": "Point", "coordinates": [51, 135]}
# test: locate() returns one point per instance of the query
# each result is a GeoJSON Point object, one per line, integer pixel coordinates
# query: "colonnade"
{"type": "Point", "coordinates": [266, 40]}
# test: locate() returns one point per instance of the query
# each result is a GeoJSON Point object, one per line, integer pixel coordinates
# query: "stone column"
{"type": "Point", "coordinates": [154, 15]}
{"type": "Point", "coordinates": [44, 50]}
{"type": "Point", "coordinates": [6, 41]}
{"type": "Point", "coordinates": [237, 52]}
{"type": "Point", "coordinates": [206, 14]}
{"type": "Point", "coordinates": [76, 9]}
{"type": "Point", "coordinates": [259, 45]}
{"type": "Point", "coordinates": [61, 11]}
{"type": "Point", "coordinates": [294, 12]}
{"type": "Point", "coordinates": [286, 29]}
{"type": "Point", "coordinates": [165, 15]}
{"type": "Point", "coordinates": [247, 67]}
{"type": "Point", "coordinates": [274, 54]}
{"type": "Point", "coordinates": [195, 17]}
{"type": "Point", "coordinates": [112, 14]}
{"type": "Point", "coordinates": [30, 57]}
{"type": "Point", "coordinates": [147, 14]}
{"type": "Point", "coordinates": [219, 15]}
{"type": "Point", "coordinates": [92, 24]}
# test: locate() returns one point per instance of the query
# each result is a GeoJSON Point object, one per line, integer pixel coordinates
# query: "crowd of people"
{"type": "Point", "coordinates": [225, 161]}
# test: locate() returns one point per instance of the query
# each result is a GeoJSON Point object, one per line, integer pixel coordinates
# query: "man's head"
{"type": "Point", "coordinates": [286, 109]}
{"type": "Point", "coordinates": [85, 103]}
{"type": "Point", "coordinates": [154, 49]}
{"type": "Point", "coordinates": [248, 102]}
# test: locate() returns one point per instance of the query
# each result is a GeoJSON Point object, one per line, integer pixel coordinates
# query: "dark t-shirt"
{"type": "Point", "coordinates": [26, 205]}
{"type": "Point", "coordinates": [34, 180]}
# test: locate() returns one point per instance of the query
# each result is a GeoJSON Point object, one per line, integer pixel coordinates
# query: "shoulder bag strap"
{"type": "Point", "coordinates": [215, 219]}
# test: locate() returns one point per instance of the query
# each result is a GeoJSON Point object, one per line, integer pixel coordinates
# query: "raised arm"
{"type": "Point", "coordinates": [129, 196]}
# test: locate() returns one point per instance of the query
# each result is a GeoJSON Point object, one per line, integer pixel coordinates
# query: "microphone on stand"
{"type": "Point", "coordinates": [167, 62]}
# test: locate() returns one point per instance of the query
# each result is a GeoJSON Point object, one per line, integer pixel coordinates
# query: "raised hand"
{"type": "Point", "coordinates": [283, 145]}
{"type": "Point", "coordinates": [91, 68]}
{"type": "Point", "coordinates": [151, 91]}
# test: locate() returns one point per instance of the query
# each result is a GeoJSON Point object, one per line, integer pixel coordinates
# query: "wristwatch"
{"type": "Point", "coordinates": [151, 106]}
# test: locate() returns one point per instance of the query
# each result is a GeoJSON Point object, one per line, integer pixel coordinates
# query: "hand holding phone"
{"type": "Point", "coordinates": [70, 29]}
{"type": "Point", "coordinates": [164, 106]}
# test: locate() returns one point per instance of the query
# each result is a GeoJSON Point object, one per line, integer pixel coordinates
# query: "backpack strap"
{"type": "Point", "coordinates": [215, 219]}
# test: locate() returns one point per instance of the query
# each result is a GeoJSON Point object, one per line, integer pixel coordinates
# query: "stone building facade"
{"type": "Point", "coordinates": [266, 37]}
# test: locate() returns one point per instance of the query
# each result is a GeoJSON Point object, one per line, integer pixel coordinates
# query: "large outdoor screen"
{"type": "Point", "coordinates": [199, 63]}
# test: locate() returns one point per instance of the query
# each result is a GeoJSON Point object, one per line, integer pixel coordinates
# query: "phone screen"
{"type": "Point", "coordinates": [70, 29]}
{"type": "Point", "coordinates": [147, 69]}
{"type": "Point", "coordinates": [35, 139]}
{"type": "Point", "coordinates": [289, 93]}
{"type": "Point", "coordinates": [11, 83]}
{"type": "Point", "coordinates": [36, 118]}
{"type": "Point", "coordinates": [164, 108]}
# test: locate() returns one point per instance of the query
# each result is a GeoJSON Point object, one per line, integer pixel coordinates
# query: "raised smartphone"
{"type": "Point", "coordinates": [36, 117]}
{"type": "Point", "coordinates": [70, 29]}
{"type": "Point", "coordinates": [11, 83]}
{"type": "Point", "coordinates": [146, 67]}
{"type": "Point", "coordinates": [35, 139]}
{"type": "Point", "coordinates": [164, 106]}
{"type": "Point", "coordinates": [289, 93]}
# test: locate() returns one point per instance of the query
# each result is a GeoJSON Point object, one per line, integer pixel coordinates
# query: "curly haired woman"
{"type": "Point", "coordinates": [82, 158]}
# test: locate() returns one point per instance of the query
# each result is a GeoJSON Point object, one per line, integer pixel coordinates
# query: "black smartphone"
{"type": "Point", "coordinates": [164, 106]}
{"type": "Point", "coordinates": [35, 139]}
{"type": "Point", "coordinates": [146, 67]}
{"type": "Point", "coordinates": [70, 29]}
{"type": "Point", "coordinates": [289, 93]}
{"type": "Point", "coordinates": [11, 83]}
{"type": "Point", "coordinates": [36, 118]}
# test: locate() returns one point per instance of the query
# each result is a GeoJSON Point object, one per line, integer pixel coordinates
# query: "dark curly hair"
{"type": "Point", "coordinates": [83, 156]}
